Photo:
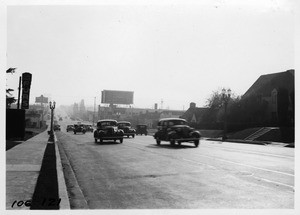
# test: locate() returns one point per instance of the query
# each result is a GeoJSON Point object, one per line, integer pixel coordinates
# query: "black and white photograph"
{"type": "Point", "coordinates": [149, 107]}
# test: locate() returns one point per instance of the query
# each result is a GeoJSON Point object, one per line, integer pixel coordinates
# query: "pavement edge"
{"type": "Point", "coordinates": [62, 189]}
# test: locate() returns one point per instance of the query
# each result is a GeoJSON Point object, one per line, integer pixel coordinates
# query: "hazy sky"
{"type": "Point", "coordinates": [178, 53]}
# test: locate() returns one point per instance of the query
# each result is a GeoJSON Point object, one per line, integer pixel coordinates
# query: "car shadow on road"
{"type": "Point", "coordinates": [107, 143]}
{"type": "Point", "coordinates": [168, 146]}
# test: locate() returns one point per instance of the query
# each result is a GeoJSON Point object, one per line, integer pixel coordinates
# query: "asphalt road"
{"type": "Point", "coordinates": [138, 174]}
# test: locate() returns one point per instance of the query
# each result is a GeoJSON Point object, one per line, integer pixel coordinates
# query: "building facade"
{"type": "Point", "coordinates": [277, 91]}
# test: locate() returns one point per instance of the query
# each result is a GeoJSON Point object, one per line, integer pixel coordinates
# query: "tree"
{"type": "Point", "coordinates": [214, 101]}
{"type": "Point", "coordinates": [216, 112]}
{"type": "Point", "coordinates": [9, 98]}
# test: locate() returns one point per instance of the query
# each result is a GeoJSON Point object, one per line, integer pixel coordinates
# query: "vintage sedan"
{"type": "Point", "coordinates": [126, 127]}
{"type": "Point", "coordinates": [141, 129]}
{"type": "Point", "coordinates": [79, 128]}
{"type": "Point", "coordinates": [176, 130]}
{"type": "Point", "coordinates": [56, 127]}
{"type": "Point", "coordinates": [70, 128]}
{"type": "Point", "coordinates": [107, 129]}
{"type": "Point", "coordinates": [89, 128]}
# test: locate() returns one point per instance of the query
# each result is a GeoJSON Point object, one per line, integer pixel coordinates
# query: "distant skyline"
{"type": "Point", "coordinates": [178, 53]}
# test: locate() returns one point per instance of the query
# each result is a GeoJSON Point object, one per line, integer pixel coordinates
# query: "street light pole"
{"type": "Point", "coordinates": [52, 107]}
{"type": "Point", "coordinates": [225, 98]}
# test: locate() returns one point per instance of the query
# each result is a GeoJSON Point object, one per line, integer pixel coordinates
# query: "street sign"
{"type": "Point", "coordinates": [26, 82]}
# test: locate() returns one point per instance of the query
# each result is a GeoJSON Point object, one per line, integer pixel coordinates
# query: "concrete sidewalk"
{"type": "Point", "coordinates": [23, 165]}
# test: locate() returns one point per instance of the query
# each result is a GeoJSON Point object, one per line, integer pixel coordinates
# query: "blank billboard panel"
{"type": "Point", "coordinates": [41, 99]}
{"type": "Point", "coordinates": [117, 97]}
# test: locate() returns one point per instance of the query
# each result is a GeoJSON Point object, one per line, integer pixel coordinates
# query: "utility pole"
{"type": "Point", "coordinates": [20, 80]}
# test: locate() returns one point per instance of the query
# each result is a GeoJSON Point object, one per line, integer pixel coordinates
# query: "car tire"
{"type": "Point", "coordinates": [158, 141]}
{"type": "Point", "coordinates": [121, 140]}
{"type": "Point", "coordinates": [196, 142]}
{"type": "Point", "coordinates": [74, 132]}
{"type": "Point", "coordinates": [133, 136]}
{"type": "Point", "coordinates": [172, 142]}
{"type": "Point", "coordinates": [96, 140]}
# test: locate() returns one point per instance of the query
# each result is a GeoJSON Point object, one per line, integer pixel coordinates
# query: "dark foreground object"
{"type": "Point", "coordinates": [45, 195]}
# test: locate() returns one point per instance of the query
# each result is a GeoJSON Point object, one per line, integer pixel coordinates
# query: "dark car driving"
{"type": "Point", "coordinates": [56, 127]}
{"type": "Point", "coordinates": [126, 127]}
{"type": "Point", "coordinates": [141, 129]}
{"type": "Point", "coordinates": [107, 129]}
{"type": "Point", "coordinates": [89, 128]}
{"type": "Point", "coordinates": [79, 128]}
{"type": "Point", "coordinates": [70, 128]}
{"type": "Point", "coordinates": [176, 130]}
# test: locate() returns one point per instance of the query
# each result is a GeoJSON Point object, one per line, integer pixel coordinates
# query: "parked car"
{"type": "Point", "coordinates": [70, 128]}
{"type": "Point", "coordinates": [176, 130]}
{"type": "Point", "coordinates": [126, 127]}
{"type": "Point", "coordinates": [107, 129]}
{"type": "Point", "coordinates": [141, 129]}
{"type": "Point", "coordinates": [79, 128]}
{"type": "Point", "coordinates": [89, 128]}
{"type": "Point", "coordinates": [56, 127]}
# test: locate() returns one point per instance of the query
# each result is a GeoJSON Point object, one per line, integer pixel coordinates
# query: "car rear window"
{"type": "Point", "coordinates": [106, 124]}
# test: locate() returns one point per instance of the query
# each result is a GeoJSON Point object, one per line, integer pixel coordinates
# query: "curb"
{"type": "Point", "coordinates": [50, 192]}
{"type": "Point", "coordinates": [77, 199]}
{"type": "Point", "coordinates": [62, 189]}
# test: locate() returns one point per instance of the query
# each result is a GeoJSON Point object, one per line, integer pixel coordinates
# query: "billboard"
{"type": "Point", "coordinates": [117, 97]}
{"type": "Point", "coordinates": [41, 99]}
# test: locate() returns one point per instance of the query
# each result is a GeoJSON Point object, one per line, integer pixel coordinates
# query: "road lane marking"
{"type": "Point", "coordinates": [240, 164]}
{"type": "Point", "coordinates": [238, 150]}
{"type": "Point", "coordinates": [250, 151]}
{"type": "Point", "coordinates": [131, 141]}
{"type": "Point", "coordinates": [246, 165]}
{"type": "Point", "coordinates": [274, 182]}
{"type": "Point", "coordinates": [214, 167]}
